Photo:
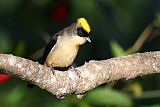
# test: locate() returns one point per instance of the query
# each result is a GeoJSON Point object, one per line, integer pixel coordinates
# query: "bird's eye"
{"type": "Point", "coordinates": [80, 32]}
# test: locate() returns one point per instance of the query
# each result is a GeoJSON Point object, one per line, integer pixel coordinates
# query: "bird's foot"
{"type": "Point", "coordinates": [73, 73]}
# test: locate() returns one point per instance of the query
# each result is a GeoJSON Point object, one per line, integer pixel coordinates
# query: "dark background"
{"type": "Point", "coordinates": [25, 27]}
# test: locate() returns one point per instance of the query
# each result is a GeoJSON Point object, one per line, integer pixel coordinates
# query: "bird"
{"type": "Point", "coordinates": [62, 48]}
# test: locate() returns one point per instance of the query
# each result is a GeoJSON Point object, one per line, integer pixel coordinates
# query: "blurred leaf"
{"type": "Point", "coordinates": [73, 100]}
{"type": "Point", "coordinates": [83, 7]}
{"type": "Point", "coordinates": [129, 51]}
{"type": "Point", "coordinates": [15, 96]}
{"type": "Point", "coordinates": [149, 94]}
{"type": "Point", "coordinates": [58, 104]}
{"type": "Point", "coordinates": [157, 21]}
{"type": "Point", "coordinates": [20, 49]}
{"type": "Point", "coordinates": [84, 104]}
{"type": "Point", "coordinates": [136, 88]}
{"type": "Point", "coordinates": [116, 49]}
{"type": "Point", "coordinates": [41, 2]}
{"type": "Point", "coordinates": [8, 5]}
{"type": "Point", "coordinates": [107, 96]}
{"type": "Point", "coordinates": [152, 106]}
{"type": "Point", "coordinates": [5, 42]}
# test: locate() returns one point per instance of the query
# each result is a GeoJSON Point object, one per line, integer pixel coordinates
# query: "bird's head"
{"type": "Point", "coordinates": [81, 31]}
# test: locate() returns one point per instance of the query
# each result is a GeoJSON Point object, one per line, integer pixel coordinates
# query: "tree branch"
{"type": "Point", "coordinates": [91, 74]}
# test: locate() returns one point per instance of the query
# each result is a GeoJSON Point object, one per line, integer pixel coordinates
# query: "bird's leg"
{"type": "Point", "coordinates": [74, 72]}
{"type": "Point", "coordinates": [52, 68]}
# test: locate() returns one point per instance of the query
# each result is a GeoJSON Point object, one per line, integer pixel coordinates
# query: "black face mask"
{"type": "Point", "coordinates": [81, 32]}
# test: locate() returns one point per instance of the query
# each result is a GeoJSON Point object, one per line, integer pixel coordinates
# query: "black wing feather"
{"type": "Point", "coordinates": [49, 46]}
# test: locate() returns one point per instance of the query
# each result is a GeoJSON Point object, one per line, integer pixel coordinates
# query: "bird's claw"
{"type": "Point", "coordinates": [73, 73]}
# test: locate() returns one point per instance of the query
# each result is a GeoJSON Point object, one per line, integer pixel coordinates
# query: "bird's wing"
{"type": "Point", "coordinates": [49, 46]}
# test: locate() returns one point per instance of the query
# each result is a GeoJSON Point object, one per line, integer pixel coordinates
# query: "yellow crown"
{"type": "Point", "coordinates": [84, 24]}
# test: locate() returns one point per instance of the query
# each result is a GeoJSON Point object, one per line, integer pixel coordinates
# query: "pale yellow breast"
{"type": "Point", "coordinates": [64, 52]}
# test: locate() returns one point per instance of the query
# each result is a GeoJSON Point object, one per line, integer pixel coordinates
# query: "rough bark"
{"type": "Point", "coordinates": [90, 75]}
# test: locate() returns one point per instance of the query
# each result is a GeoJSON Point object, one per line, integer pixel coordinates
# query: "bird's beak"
{"type": "Point", "coordinates": [88, 39]}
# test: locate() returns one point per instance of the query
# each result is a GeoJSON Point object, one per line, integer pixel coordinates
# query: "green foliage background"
{"type": "Point", "coordinates": [116, 25]}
